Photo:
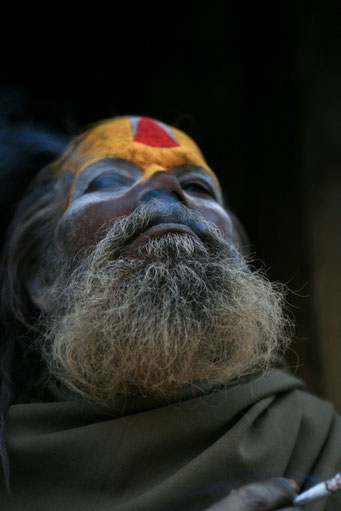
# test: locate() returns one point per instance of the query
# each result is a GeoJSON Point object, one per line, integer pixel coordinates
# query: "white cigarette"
{"type": "Point", "coordinates": [320, 490]}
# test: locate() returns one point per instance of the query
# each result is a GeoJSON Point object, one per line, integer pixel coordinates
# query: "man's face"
{"type": "Point", "coordinates": [116, 170]}
{"type": "Point", "coordinates": [163, 297]}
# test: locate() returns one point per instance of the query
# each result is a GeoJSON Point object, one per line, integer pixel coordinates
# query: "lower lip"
{"type": "Point", "coordinates": [158, 230]}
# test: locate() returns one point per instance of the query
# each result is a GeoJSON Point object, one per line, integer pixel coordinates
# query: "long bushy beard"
{"type": "Point", "coordinates": [184, 311]}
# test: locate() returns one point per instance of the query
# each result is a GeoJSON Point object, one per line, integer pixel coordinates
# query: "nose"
{"type": "Point", "coordinates": [164, 186]}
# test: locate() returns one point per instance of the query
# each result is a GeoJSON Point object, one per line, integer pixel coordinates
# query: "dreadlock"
{"type": "Point", "coordinates": [30, 233]}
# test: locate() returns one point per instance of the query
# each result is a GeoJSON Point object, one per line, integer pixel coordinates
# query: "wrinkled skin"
{"type": "Point", "coordinates": [273, 494]}
{"type": "Point", "coordinates": [108, 190]}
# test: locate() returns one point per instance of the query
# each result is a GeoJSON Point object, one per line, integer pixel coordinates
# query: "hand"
{"type": "Point", "coordinates": [270, 495]}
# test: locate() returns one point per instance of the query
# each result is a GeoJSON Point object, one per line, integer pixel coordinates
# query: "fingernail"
{"type": "Point", "coordinates": [294, 485]}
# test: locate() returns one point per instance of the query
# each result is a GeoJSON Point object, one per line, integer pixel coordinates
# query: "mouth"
{"type": "Point", "coordinates": [158, 230]}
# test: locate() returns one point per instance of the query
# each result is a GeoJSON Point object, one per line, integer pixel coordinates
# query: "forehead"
{"type": "Point", "coordinates": [146, 143]}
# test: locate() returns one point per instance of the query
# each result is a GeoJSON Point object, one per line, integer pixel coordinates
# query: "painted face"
{"type": "Point", "coordinates": [123, 163]}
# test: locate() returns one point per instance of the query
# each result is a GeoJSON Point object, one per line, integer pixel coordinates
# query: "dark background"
{"type": "Point", "coordinates": [257, 86]}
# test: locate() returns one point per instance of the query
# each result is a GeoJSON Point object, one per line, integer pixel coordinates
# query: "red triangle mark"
{"type": "Point", "coordinates": [151, 133]}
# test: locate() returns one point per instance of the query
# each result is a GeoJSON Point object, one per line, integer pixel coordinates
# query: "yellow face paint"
{"type": "Point", "coordinates": [149, 144]}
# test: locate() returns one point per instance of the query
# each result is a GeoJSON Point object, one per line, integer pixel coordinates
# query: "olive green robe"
{"type": "Point", "coordinates": [67, 454]}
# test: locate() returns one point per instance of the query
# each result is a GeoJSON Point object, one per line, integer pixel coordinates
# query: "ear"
{"type": "Point", "coordinates": [37, 286]}
{"type": "Point", "coordinates": [38, 277]}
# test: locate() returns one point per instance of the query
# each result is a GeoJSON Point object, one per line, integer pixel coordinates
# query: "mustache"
{"type": "Point", "coordinates": [126, 229]}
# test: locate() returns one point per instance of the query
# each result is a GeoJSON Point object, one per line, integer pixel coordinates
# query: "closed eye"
{"type": "Point", "coordinates": [105, 181]}
{"type": "Point", "coordinates": [198, 188]}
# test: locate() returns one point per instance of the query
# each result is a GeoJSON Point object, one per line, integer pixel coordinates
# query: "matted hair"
{"type": "Point", "coordinates": [30, 233]}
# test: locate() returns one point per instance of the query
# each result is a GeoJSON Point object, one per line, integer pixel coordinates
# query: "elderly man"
{"type": "Point", "coordinates": [139, 348]}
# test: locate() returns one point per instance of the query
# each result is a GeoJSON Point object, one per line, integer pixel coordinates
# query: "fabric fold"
{"type": "Point", "coordinates": [155, 455]}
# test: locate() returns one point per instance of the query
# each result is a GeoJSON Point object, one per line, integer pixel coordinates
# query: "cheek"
{"type": "Point", "coordinates": [75, 231]}
{"type": "Point", "coordinates": [84, 223]}
{"type": "Point", "coordinates": [216, 214]}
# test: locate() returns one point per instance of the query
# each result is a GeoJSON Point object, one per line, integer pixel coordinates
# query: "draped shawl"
{"type": "Point", "coordinates": [144, 455]}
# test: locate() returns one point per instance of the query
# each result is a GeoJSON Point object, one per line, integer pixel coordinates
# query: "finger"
{"type": "Point", "coordinates": [263, 496]}
{"type": "Point", "coordinates": [295, 485]}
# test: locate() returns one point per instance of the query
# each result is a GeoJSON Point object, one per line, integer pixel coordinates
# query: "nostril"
{"type": "Point", "coordinates": [161, 196]}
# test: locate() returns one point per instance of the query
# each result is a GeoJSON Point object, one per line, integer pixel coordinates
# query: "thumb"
{"type": "Point", "coordinates": [266, 495]}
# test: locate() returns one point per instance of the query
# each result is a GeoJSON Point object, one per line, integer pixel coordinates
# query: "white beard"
{"type": "Point", "coordinates": [185, 312]}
